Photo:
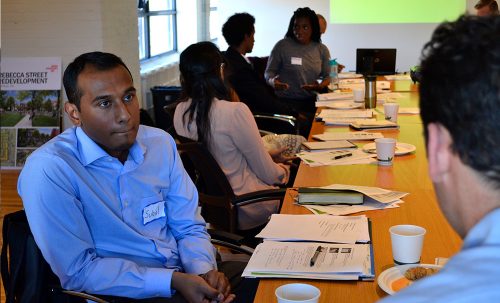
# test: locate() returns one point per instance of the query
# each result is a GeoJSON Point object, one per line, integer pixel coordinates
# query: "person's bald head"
{"type": "Point", "coordinates": [322, 24]}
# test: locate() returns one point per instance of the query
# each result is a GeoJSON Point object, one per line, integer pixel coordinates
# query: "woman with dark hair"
{"type": "Point", "coordinates": [298, 61]}
{"type": "Point", "coordinates": [228, 129]}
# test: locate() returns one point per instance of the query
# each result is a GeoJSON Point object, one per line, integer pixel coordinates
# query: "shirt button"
{"type": "Point", "coordinates": [125, 202]}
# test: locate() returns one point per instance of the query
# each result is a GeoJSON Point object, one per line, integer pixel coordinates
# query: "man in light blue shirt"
{"type": "Point", "coordinates": [459, 102]}
{"type": "Point", "coordinates": [109, 202]}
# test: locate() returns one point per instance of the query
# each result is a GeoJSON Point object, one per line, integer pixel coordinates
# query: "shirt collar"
{"type": "Point", "coordinates": [485, 232]}
{"type": "Point", "coordinates": [90, 151]}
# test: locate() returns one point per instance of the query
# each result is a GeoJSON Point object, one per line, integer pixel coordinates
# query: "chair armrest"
{"type": "Point", "coordinates": [258, 196]}
{"type": "Point", "coordinates": [82, 295]}
{"type": "Point", "coordinates": [277, 117]}
{"type": "Point", "coordinates": [220, 235]}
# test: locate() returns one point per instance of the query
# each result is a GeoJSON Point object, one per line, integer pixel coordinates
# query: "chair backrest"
{"type": "Point", "coordinates": [27, 278]}
{"type": "Point", "coordinates": [216, 195]}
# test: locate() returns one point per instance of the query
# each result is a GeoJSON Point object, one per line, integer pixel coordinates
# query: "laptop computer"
{"type": "Point", "coordinates": [376, 61]}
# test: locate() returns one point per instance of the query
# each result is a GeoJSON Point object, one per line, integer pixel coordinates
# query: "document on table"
{"type": "Point", "coordinates": [338, 95]}
{"type": "Point", "coordinates": [311, 261]}
{"type": "Point", "coordinates": [340, 210]}
{"type": "Point", "coordinates": [351, 136]}
{"type": "Point", "coordinates": [321, 158]}
{"type": "Point", "coordinates": [375, 198]}
{"type": "Point", "coordinates": [325, 228]}
{"type": "Point", "coordinates": [389, 96]}
{"type": "Point", "coordinates": [352, 113]}
{"type": "Point", "coordinates": [398, 77]}
{"type": "Point", "coordinates": [345, 121]}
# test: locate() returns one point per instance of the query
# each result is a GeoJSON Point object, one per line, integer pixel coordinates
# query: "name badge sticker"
{"type": "Point", "coordinates": [296, 61]}
{"type": "Point", "coordinates": [153, 212]}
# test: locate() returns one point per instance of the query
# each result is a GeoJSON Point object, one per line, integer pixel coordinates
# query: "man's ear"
{"type": "Point", "coordinates": [439, 152]}
{"type": "Point", "coordinates": [73, 113]}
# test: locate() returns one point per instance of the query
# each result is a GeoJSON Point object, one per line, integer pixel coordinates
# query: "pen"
{"type": "Point", "coordinates": [342, 156]}
{"type": "Point", "coordinates": [315, 256]}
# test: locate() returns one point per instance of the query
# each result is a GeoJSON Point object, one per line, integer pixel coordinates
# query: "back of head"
{"type": "Point", "coordinates": [460, 89]}
{"type": "Point", "coordinates": [308, 13]}
{"type": "Point", "coordinates": [236, 27]}
{"type": "Point", "coordinates": [98, 60]}
{"type": "Point", "coordinates": [201, 67]}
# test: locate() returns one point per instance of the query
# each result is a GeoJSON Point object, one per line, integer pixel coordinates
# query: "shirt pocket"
{"type": "Point", "coordinates": [152, 214]}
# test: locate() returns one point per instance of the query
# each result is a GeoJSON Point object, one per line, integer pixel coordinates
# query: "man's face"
{"type": "Point", "coordinates": [302, 30]}
{"type": "Point", "coordinates": [109, 109]}
{"type": "Point", "coordinates": [250, 41]}
{"type": "Point", "coordinates": [484, 11]}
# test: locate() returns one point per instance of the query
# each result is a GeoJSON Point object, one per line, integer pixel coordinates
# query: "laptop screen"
{"type": "Point", "coordinates": [376, 61]}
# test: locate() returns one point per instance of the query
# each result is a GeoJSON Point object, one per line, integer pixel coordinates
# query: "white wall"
{"type": "Point", "coordinates": [272, 18]}
{"type": "Point", "coordinates": [66, 29]}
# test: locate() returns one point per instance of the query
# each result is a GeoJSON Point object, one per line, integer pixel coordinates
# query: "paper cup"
{"type": "Point", "coordinates": [391, 111]}
{"type": "Point", "coordinates": [407, 242]}
{"type": "Point", "coordinates": [385, 150]}
{"type": "Point", "coordinates": [359, 94]}
{"type": "Point", "coordinates": [297, 292]}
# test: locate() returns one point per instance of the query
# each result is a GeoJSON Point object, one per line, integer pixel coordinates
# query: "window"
{"type": "Point", "coordinates": [157, 28]}
{"type": "Point", "coordinates": [215, 27]}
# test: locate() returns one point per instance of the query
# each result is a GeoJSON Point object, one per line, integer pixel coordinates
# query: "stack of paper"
{"type": "Point", "coordinates": [344, 117]}
{"type": "Point", "coordinates": [333, 229]}
{"type": "Point", "coordinates": [379, 124]}
{"type": "Point", "coordinates": [339, 144]}
{"type": "Point", "coordinates": [351, 258]}
{"type": "Point", "coordinates": [376, 198]}
{"type": "Point", "coordinates": [398, 77]}
{"type": "Point", "coordinates": [321, 158]}
{"type": "Point", "coordinates": [326, 196]}
{"type": "Point", "coordinates": [351, 136]}
{"type": "Point", "coordinates": [309, 260]}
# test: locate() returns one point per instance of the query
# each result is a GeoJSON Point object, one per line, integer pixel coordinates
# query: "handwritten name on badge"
{"type": "Point", "coordinates": [153, 211]}
{"type": "Point", "coordinates": [296, 61]}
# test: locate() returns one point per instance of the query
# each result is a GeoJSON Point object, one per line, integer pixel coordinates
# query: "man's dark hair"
{"type": "Point", "coordinates": [460, 89]}
{"type": "Point", "coordinates": [492, 4]}
{"type": "Point", "coordinates": [305, 12]}
{"type": "Point", "coordinates": [236, 27]}
{"type": "Point", "coordinates": [97, 60]}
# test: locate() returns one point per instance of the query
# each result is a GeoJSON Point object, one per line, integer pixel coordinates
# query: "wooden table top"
{"type": "Point", "coordinates": [408, 173]}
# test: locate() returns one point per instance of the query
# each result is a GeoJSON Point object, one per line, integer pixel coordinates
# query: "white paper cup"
{"type": "Point", "coordinates": [359, 94]}
{"type": "Point", "coordinates": [385, 150]}
{"type": "Point", "coordinates": [297, 292]}
{"type": "Point", "coordinates": [391, 111]}
{"type": "Point", "coordinates": [407, 242]}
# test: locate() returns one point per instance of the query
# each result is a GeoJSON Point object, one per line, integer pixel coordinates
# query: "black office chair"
{"type": "Point", "coordinates": [276, 124]}
{"type": "Point", "coordinates": [219, 204]}
{"type": "Point", "coordinates": [27, 277]}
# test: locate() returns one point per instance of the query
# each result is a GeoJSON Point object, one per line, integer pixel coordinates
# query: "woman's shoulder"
{"type": "Point", "coordinates": [228, 106]}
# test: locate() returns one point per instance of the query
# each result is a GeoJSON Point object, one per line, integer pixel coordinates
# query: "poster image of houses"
{"type": "Point", "coordinates": [30, 108]}
{"type": "Point", "coordinates": [28, 139]}
{"type": "Point", "coordinates": [7, 147]}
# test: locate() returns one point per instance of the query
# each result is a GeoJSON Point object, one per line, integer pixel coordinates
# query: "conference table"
{"type": "Point", "coordinates": [408, 174]}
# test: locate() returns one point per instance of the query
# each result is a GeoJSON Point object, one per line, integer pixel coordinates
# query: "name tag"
{"type": "Point", "coordinates": [153, 211]}
{"type": "Point", "coordinates": [296, 61]}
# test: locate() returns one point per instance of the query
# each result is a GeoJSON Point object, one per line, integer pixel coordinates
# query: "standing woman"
{"type": "Point", "coordinates": [298, 61]}
{"type": "Point", "coordinates": [229, 131]}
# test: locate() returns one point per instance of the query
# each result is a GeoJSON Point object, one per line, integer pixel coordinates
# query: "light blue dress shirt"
{"type": "Point", "coordinates": [112, 228]}
{"type": "Point", "coordinates": [470, 276]}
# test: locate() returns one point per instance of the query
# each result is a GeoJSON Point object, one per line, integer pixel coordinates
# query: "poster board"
{"type": "Point", "coordinates": [30, 106]}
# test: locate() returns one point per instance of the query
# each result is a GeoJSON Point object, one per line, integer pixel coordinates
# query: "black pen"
{"type": "Point", "coordinates": [315, 256]}
{"type": "Point", "coordinates": [342, 156]}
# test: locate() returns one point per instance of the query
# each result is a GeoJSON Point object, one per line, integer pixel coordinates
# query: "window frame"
{"type": "Point", "coordinates": [143, 12]}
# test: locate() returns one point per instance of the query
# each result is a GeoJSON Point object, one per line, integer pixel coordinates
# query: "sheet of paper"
{"type": "Point", "coordinates": [379, 194]}
{"type": "Point", "coordinates": [293, 259]}
{"type": "Point", "coordinates": [389, 96]}
{"type": "Point", "coordinates": [343, 121]}
{"type": "Point", "coordinates": [316, 228]}
{"type": "Point", "coordinates": [409, 110]}
{"type": "Point", "coordinates": [335, 96]}
{"type": "Point", "coordinates": [327, 158]}
{"type": "Point", "coordinates": [340, 210]}
{"type": "Point", "coordinates": [338, 144]}
{"type": "Point", "coordinates": [398, 77]}
{"type": "Point", "coordinates": [352, 113]}
{"type": "Point", "coordinates": [351, 136]}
